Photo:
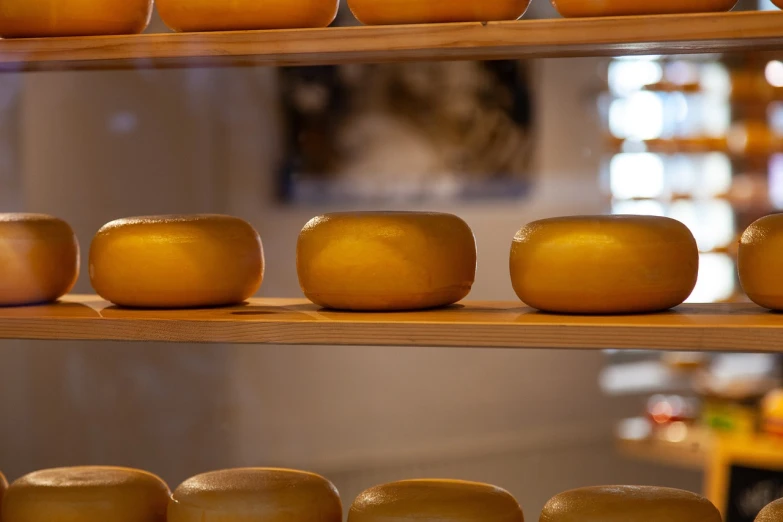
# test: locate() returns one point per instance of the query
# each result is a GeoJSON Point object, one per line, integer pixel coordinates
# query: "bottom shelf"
{"type": "Point", "coordinates": [722, 327]}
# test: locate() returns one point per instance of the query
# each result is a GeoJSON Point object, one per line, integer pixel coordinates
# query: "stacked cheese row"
{"type": "Point", "coordinates": [102, 494]}
{"type": "Point", "coordinates": [42, 18]}
{"type": "Point", "coordinates": [379, 261]}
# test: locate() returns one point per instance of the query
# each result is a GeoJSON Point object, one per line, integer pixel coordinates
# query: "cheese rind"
{"type": "Point", "coordinates": [380, 261]}
{"type": "Point", "coordinates": [43, 18]}
{"type": "Point", "coordinates": [759, 262]}
{"type": "Point", "coordinates": [772, 512]}
{"type": "Point", "coordinates": [391, 12]}
{"type": "Point", "coordinates": [604, 264]}
{"type": "Point", "coordinates": [176, 261]}
{"type": "Point", "coordinates": [593, 8]}
{"type": "Point", "coordinates": [237, 15]}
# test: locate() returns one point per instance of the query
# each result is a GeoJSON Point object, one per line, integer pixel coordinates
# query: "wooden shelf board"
{"type": "Point", "coordinates": [719, 327]}
{"type": "Point", "coordinates": [666, 34]}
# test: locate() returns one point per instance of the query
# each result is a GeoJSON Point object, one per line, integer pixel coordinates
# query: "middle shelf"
{"type": "Point", "coordinates": [702, 327]}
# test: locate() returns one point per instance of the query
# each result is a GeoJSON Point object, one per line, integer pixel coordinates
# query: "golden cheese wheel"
{"type": "Point", "coordinates": [760, 260]}
{"type": "Point", "coordinates": [774, 511]}
{"type": "Point", "coordinates": [255, 495]}
{"type": "Point", "coordinates": [629, 504]}
{"type": "Point", "coordinates": [211, 15]}
{"type": "Point", "coordinates": [386, 260]}
{"type": "Point", "coordinates": [387, 12]}
{"type": "Point", "coordinates": [176, 261]}
{"type": "Point", "coordinates": [39, 259]}
{"type": "Point", "coordinates": [435, 500]}
{"type": "Point", "coordinates": [40, 18]}
{"type": "Point", "coordinates": [604, 264]}
{"type": "Point", "coordinates": [593, 8]}
{"type": "Point", "coordinates": [3, 487]}
{"type": "Point", "coordinates": [86, 494]}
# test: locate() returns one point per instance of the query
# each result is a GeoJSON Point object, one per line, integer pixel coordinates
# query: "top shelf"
{"type": "Point", "coordinates": [667, 34]}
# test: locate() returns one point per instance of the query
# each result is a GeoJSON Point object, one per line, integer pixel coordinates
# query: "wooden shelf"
{"type": "Point", "coordinates": [667, 34]}
{"type": "Point", "coordinates": [727, 327]}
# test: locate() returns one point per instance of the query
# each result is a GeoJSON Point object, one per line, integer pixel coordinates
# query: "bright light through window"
{"type": "Point", "coordinates": [641, 207]}
{"type": "Point", "coordinates": [773, 72]}
{"type": "Point", "coordinates": [776, 181]}
{"type": "Point", "coordinates": [716, 279]}
{"type": "Point", "coordinates": [636, 175]}
{"type": "Point", "coordinates": [711, 222]}
{"type": "Point", "coordinates": [626, 77]}
{"type": "Point", "coordinates": [638, 117]}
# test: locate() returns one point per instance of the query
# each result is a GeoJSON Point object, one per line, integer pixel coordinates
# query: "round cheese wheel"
{"type": "Point", "coordinates": [624, 503]}
{"type": "Point", "coordinates": [774, 511]}
{"type": "Point", "coordinates": [176, 261]}
{"type": "Point", "coordinates": [592, 8]}
{"type": "Point", "coordinates": [759, 261]}
{"type": "Point", "coordinates": [435, 501]}
{"type": "Point", "coordinates": [211, 15]}
{"type": "Point", "coordinates": [255, 495]}
{"type": "Point", "coordinates": [86, 494]}
{"type": "Point", "coordinates": [604, 264]}
{"type": "Point", "coordinates": [39, 259]}
{"type": "Point", "coordinates": [387, 12]}
{"type": "Point", "coordinates": [40, 18]}
{"type": "Point", "coordinates": [386, 260]}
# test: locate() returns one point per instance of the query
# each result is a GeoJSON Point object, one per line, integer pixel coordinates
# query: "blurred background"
{"type": "Point", "coordinates": [699, 139]}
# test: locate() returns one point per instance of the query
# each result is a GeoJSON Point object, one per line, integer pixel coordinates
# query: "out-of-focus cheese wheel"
{"type": "Point", "coordinates": [388, 12]}
{"type": "Point", "coordinates": [176, 261]}
{"type": "Point", "coordinates": [629, 503]}
{"type": "Point", "coordinates": [3, 487]}
{"type": "Point", "coordinates": [40, 18]}
{"type": "Point", "coordinates": [760, 259]}
{"type": "Point", "coordinates": [211, 15]}
{"type": "Point", "coordinates": [774, 511]}
{"type": "Point", "coordinates": [435, 501]}
{"type": "Point", "coordinates": [604, 264]}
{"type": "Point", "coordinates": [255, 495]}
{"type": "Point", "coordinates": [593, 8]}
{"type": "Point", "coordinates": [386, 260]}
{"type": "Point", "coordinates": [39, 259]}
{"type": "Point", "coordinates": [86, 494]}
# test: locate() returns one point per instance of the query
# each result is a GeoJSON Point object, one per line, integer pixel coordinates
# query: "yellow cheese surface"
{"type": "Point", "coordinates": [211, 15]}
{"type": "Point", "coordinates": [86, 494]}
{"type": "Point", "coordinates": [176, 261]}
{"type": "Point", "coordinates": [255, 495]}
{"type": "Point", "coordinates": [772, 513]}
{"type": "Point", "coordinates": [35, 18]}
{"type": "Point", "coordinates": [604, 264]}
{"type": "Point", "coordinates": [39, 259]}
{"type": "Point", "coordinates": [591, 8]}
{"type": "Point", "coordinates": [435, 500]}
{"type": "Point", "coordinates": [386, 260]}
{"type": "Point", "coordinates": [629, 504]}
{"type": "Point", "coordinates": [3, 487]}
{"type": "Point", "coordinates": [759, 262]}
{"type": "Point", "coordinates": [385, 12]}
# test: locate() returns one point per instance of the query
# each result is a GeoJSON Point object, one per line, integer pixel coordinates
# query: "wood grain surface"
{"type": "Point", "coordinates": [719, 327]}
{"type": "Point", "coordinates": [666, 34]}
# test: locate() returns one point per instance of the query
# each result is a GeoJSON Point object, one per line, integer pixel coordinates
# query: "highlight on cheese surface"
{"type": "Point", "coordinates": [388, 12]}
{"type": "Point", "coordinates": [592, 8]}
{"type": "Point", "coordinates": [759, 261]}
{"type": "Point", "coordinates": [176, 261]}
{"type": "Point", "coordinates": [772, 512]}
{"type": "Point", "coordinates": [3, 487]}
{"type": "Point", "coordinates": [39, 259]}
{"type": "Point", "coordinates": [42, 18]}
{"type": "Point", "coordinates": [435, 500]}
{"type": "Point", "coordinates": [255, 495]}
{"type": "Point", "coordinates": [86, 494]}
{"type": "Point", "coordinates": [379, 261]}
{"type": "Point", "coordinates": [624, 503]}
{"type": "Point", "coordinates": [211, 15]}
{"type": "Point", "coordinates": [604, 264]}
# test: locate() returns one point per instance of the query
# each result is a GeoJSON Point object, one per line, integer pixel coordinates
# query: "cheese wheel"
{"type": "Point", "coordinates": [176, 261]}
{"type": "Point", "coordinates": [435, 501]}
{"type": "Point", "coordinates": [387, 12]}
{"type": "Point", "coordinates": [39, 259]}
{"type": "Point", "coordinates": [211, 15]}
{"type": "Point", "coordinates": [86, 494]}
{"type": "Point", "coordinates": [604, 264]}
{"type": "Point", "coordinates": [760, 260]}
{"type": "Point", "coordinates": [593, 8]}
{"type": "Point", "coordinates": [773, 512]}
{"type": "Point", "coordinates": [38, 18]}
{"type": "Point", "coordinates": [629, 503]}
{"type": "Point", "coordinates": [3, 487]}
{"type": "Point", "coordinates": [255, 495]}
{"type": "Point", "coordinates": [386, 260]}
